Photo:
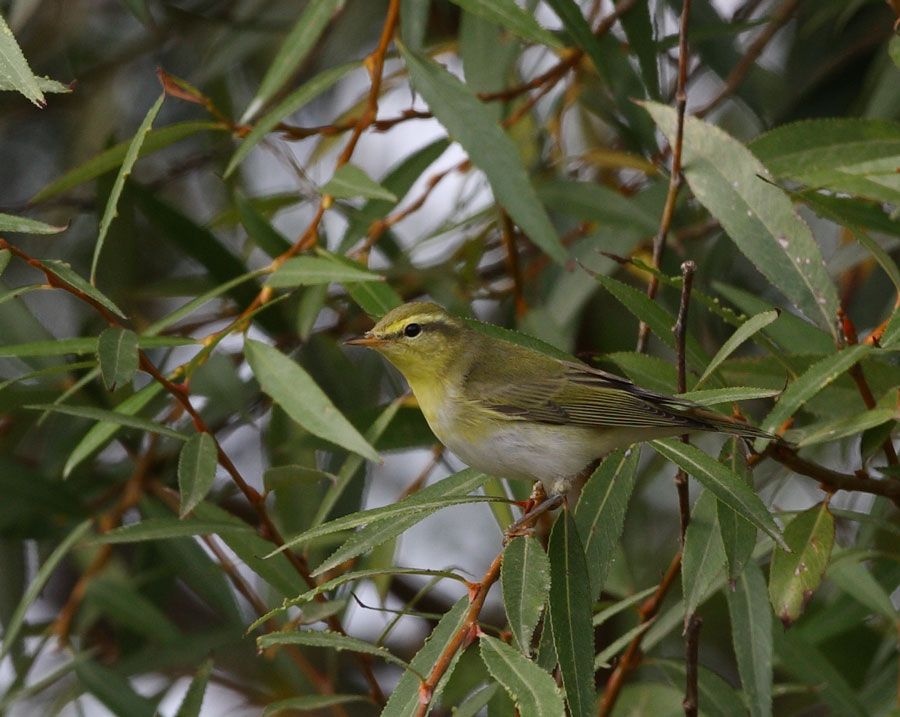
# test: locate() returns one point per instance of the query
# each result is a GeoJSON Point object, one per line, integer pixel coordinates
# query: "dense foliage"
{"type": "Point", "coordinates": [209, 505]}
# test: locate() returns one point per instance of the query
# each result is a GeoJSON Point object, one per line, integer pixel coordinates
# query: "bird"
{"type": "Point", "coordinates": [515, 412]}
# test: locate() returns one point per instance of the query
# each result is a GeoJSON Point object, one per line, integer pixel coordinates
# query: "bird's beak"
{"type": "Point", "coordinates": [365, 340]}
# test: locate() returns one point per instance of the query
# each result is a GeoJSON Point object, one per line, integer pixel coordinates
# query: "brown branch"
{"type": "Point", "coordinates": [680, 331]}
{"type": "Point", "coordinates": [739, 73]}
{"type": "Point", "coordinates": [675, 179]}
{"type": "Point", "coordinates": [691, 700]}
{"type": "Point", "coordinates": [508, 235]}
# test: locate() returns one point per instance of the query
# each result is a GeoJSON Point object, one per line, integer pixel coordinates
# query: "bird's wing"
{"type": "Point", "coordinates": [559, 392]}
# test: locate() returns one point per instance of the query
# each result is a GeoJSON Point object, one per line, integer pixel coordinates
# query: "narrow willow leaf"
{"type": "Point", "coordinates": [851, 576]}
{"type": "Point", "coordinates": [14, 68]}
{"type": "Point", "coordinates": [703, 561]}
{"type": "Point", "coordinates": [193, 698]}
{"type": "Point", "coordinates": [84, 345]}
{"type": "Point", "coordinates": [310, 703]}
{"type": "Point", "coordinates": [533, 690]}
{"type": "Point", "coordinates": [751, 633]}
{"type": "Point", "coordinates": [292, 388]}
{"type": "Point", "coordinates": [600, 512]}
{"type": "Point", "coordinates": [196, 470]}
{"type": "Point", "coordinates": [329, 640]}
{"type": "Point", "coordinates": [131, 155]}
{"type": "Point", "coordinates": [113, 157]}
{"type": "Point", "coordinates": [592, 202]}
{"type": "Point", "coordinates": [24, 225]}
{"type": "Point", "coordinates": [570, 615]}
{"type": "Point", "coordinates": [117, 352]}
{"type": "Point", "coordinates": [738, 536]}
{"type": "Point", "coordinates": [757, 216]}
{"type": "Point", "coordinates": [125, 606]}
{"type": "Point", "coordinates": [64, 271]}
{"type": "Point", "coordinates": [300, 40]}
{"type": "Point", "coordinates": [380, 531]}
{"type": "Point", "coordinates": [471, 124]}
{"type": "Point", "coordinates": [794, 576]}
{"type": "Point", "coordinates": [12, 628]}
{"type": "Point", "coordinates": [103, 432]}
{"type": "Point", "coordinates": [168, 528]}
{"type": "Point", "coordinates": [730, 394]}
{"type": "Point", "coordinates": [404, 700]}
{"type": "Point", "coordinates": [608, 612]}
{"type": "Point", "coordinates": [114, 690]}
{"type": "Point", "coordinates": [638, 29]}
{"type": "Point", "coordinates": [375, 298]}
{"type": "Point", "coordinates": [805, 661]}
{"type": "Point", "coordinates": [511, 17]}
{"type": "Point", "coordinates": [654, 315]}
{"type": "Point", "coordinates": [474, 705]}
{"type": "Point", "coordinates": [525, 577]}
{"type": "Point", "coordinates": [717, 697]}
{"type": "Point", "coordinates": [100, 414]}
{"type": "Point", "coordinates": [259, 228]}
{"type": "Point", "coordinates": [603, 658]}
{"type": "Point", "coordinates": [742, 334]}
{"type": "Point", "coordinates": [854, 155]}
{"type": "Point", "coordinates": [722, 482]}
{"type": "Point", "coordinates": [843, 427]}
{"type": "Point", "coordinates": [813, 380]}
{"type": "Point", "coordinates": [516, 337]}
{"type": "Point", "coordinates": [313, 270]}
{"type": "Point", "coordinates": [577, 26]}
{"type": "Point", "coordinates": [290, 104]}
{"type": "Point", "coordinates": [350, 181]}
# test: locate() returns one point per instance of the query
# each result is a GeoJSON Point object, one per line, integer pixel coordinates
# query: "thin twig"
{"type": "Point", "coordinates": [508, 234]}
{"type": "Point", "coordinates": [675, 179]}
{"type": "Point", "coordinates": [691, 700]}
{"type": "Point", "coordinates": [680, 331]}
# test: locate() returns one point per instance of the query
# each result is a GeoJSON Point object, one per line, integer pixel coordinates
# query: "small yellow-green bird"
{"type": "Point", "coordinates": [514, 412]}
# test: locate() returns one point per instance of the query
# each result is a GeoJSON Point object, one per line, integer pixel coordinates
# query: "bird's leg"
{"type": "Point", "coordinates": [523, 525]}
{"type": "Point", "coordinates": [538, 496]}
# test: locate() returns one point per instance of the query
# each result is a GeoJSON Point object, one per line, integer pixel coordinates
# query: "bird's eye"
{"type": "Point", "coordinates": [412, 330]}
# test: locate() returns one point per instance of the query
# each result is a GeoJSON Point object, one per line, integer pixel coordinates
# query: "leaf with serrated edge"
{"type": "Point", "coordinates": [196, 470]}
{"type": "Point", "coordinates": [14, 67]}
{"type": "Point", "coordinates": [570, 614]}
{"type": "Point", "coordinates": [757, 216]}
{"type": "Point", "coordinates": [525, 577]}
{"type": "Point", "coordinates": [743, 332]}
{"type": "Point", "coordinates": [600, 512]}
{"type": "Point", "coordinates": [351, 181]}
{"type": "Point", "coordinates": [722, 482]}
{"type": "Point", "coordinates": [738, 536]}
{"type": "Point", "coordinates": [751, 633]}
{"type": "Point", "coordinates": [703, 561]}
{"type": "Point", "coordinates": [329, 640]}
{"type": "Point", "coordinates": [24, 225]}
{"type": "Point", "coordinates": [794, 576]}
{"type": "Point", "coordinates": [511, 17]}
{"type": "Point", "coordinates": [533, 690]}
{"type": "Point", "coordinates": [117, 352]}
{"type": "Point", "coordinates": [100, 414]}
{"type": "Point", "coordinates": [313, 270]}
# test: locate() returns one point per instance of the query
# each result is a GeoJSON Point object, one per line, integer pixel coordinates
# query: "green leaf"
{"type": "Point", "coordinates": [847, 426]}
{"type": "Point", "coordinates": [123, 605]}
{"type": "Point", "coordinates": [654, 315]}
{"type": "Point", "coordinates": [738, 536]}
{"type": "Point", "coordinates": [292, 388]}
{"type": "Point", "coordinates": [851, 576]}
{"type": "Point", "coordinates": [113, 157]}
{"type": "Point", "coordinates": [533, 690]}
{"type": "Point", "coordinates": [600, 512]}
{"type": "Point", "coordinates": [310, 703]}
{"type": "Point", "coordinates": [168, 528]}
{"type": "Point", "coordinates": [259, 228]}
{"type": "Point", "coordinates": [722, 482]}
{"type": "Point", "coordinates": [757, 216]}
{"type": "Point", "coordinates": [12, 628]}
{"type": "Point", "coordinates": [101, 433]}
{"type": "Point", "coordinates": [603, 658]}
{"type": "Point", "coordinates": [24, 225]}
{"type": "Point", "coordinates": [314, 270]}
{"type": "Point", "coordinates": [329, 640]}
{"type": "Point", "coordinates": [813, 380]}
{"type": "Point", "coordinates": [853, 155]}
{"type": "Point", "coordinates": [525, 577]}
{"type": "Point", "coordinates": [131, 155]}
{"type": "Point", "coordinates": [117, 352]}
{"type": "Point", "coordinates": [114, 690]}
{"type": "Point", "coordinates": [84, 345]}
{"type": "Point", "coordinates": [379, 532]}
{"type": "Point", "coordinates": [14, 68]}
{"type": "Point", "coordinates": [193, 698]}
{"type": "Point", "coordinates": [62, 270]}
{"type": "Point", "coordinates": [350, 181]}
{"type": "Point", "coordinates": [404, 699]}
{"type": "Point", "coordinates": [517, 337]}
{"type": "Point", "coordinates": [638, 29]}
{"type": "Point", "coordinates": [570, 614]}
{"type": "Point", "coordinates": [794, 576]}
{"type": "Point", "coordinates": [730, 394]}
{"type": "Point", "coordinates": [300, 41]}
{"type": "Point", "coordinates": [471, 124]}
{"type": "Point", "coordinates": [290, 104]}
{"type": "Point", "coordinates": [703, 561]}
{"type": "Point", "coordinates": [570, 13]}
{"type": "Point", "coordinates": [510, 16]}
{"type": "Point", "coordinates": [196, 470]}
{"type": "Point", "coordinates": [593, 202]}
{"type": "Point", "coordinates": [601, 616]}
{"type": "Point", "coordinates": [751, 633]}
{"type": "Point", "coordinates": [716, 697]}
{"type": "Point", "coordinates": [99, 414]}
{"type": "Point", "coordinates": [743, 332]}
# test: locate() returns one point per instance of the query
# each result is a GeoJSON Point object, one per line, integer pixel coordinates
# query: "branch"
{"type": "Point", "coordinates": [680, 331]}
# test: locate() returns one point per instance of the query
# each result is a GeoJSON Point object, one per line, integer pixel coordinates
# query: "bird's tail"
{"type": "Point", "coordinates": [724, 424]}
